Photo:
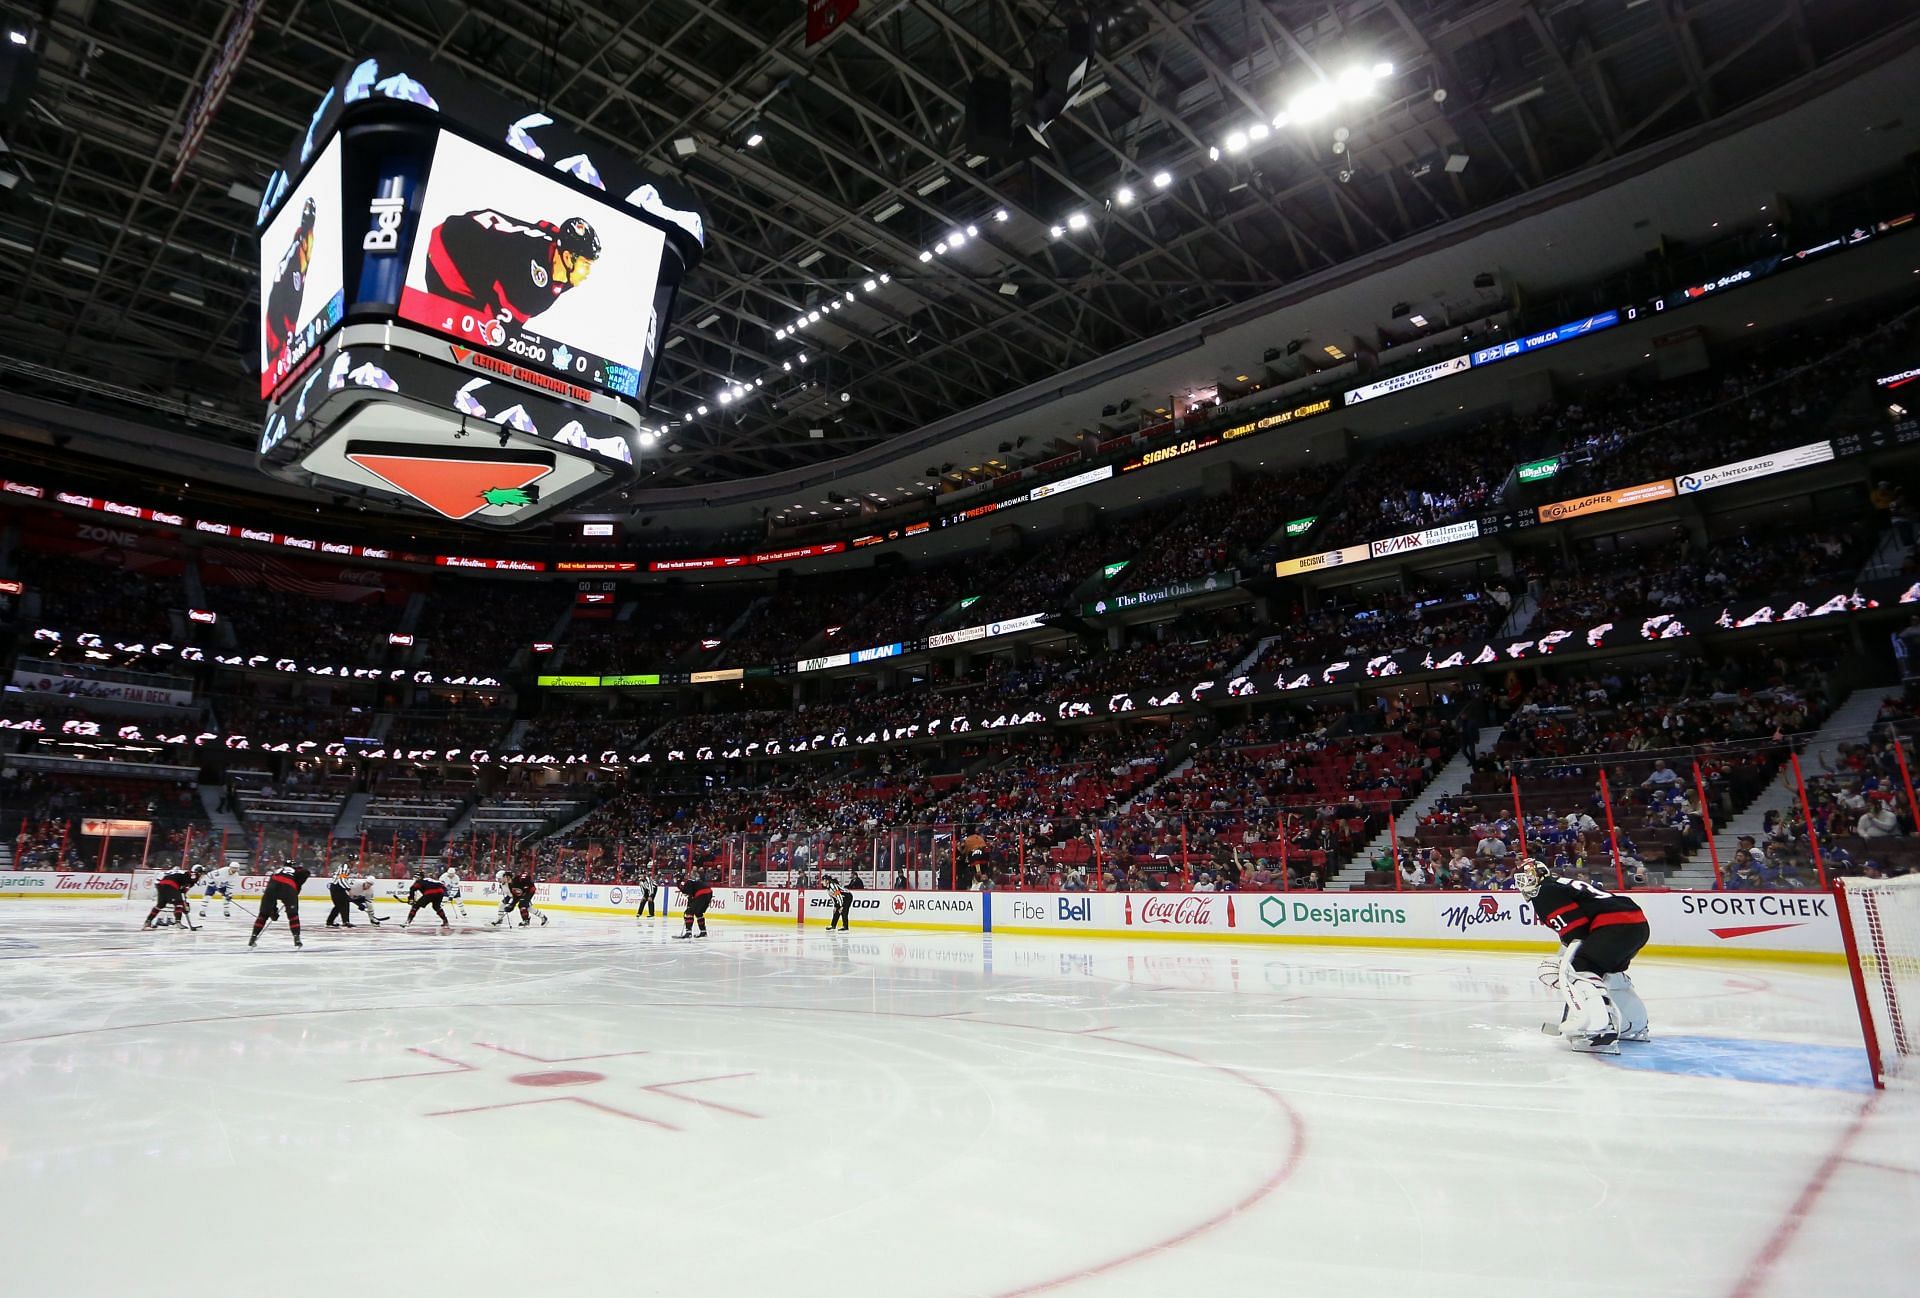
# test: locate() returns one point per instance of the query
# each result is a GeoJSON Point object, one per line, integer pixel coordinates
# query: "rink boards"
{"type": "Point", "coordinates": [1760, 925]}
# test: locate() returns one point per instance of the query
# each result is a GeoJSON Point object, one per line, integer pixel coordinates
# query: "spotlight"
{"type": "Point", "coordinates": [973, 232]}
{"type": "Point", "coordinates": [1281, 120]}
{"type": "Point", "coordinates": [1381, 71]}
{"type": "Point", "coordinates": [886, 279]}
{"type": "Point", "coordinates": [1258, 131]}
{"type": "Point", "coordinates": [1078, 221]}
{"type": "Point", "coordinates": [1354, 83]}
{"type": "Point", "coordinates": [940, 247]}
{"type": "Point", "coordinates": [803, 358]}
{"type": "Point", "coordinates": [1313, 102]}
{"type": "Point", "coordinates": [871, 285]}
{"type": "Point", "coordinates": [845, 397]}
{"type": "Point", "coordinates": [779, 333]}
{"type": "Point", "coordinates": [1001, 215]}
{"type": "Point", "coordinates": [925, 255]}
{"type": "Point", "coordinates": [1161, 179]}
{"type": "Point", "coordinates": [703, 410]}
{"type": "Point", "coordinates": [754, 139]}
{"type": "Point", "coordinates": [1123, 196]}
{"type": "Point", "coordinates": [648, 437]}
{"type": "Point", "coordinates": [1057, 231]}
{"type": "Point", "coordinates": [1213, 153]}
{"type": "Point", "coordinates": [1236, 142]}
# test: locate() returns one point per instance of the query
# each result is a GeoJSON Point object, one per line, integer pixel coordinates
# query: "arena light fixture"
{"type": "Point", "coordinates": [1310, 104]}
{"type": "Point", "coordinates": [1078, 221]}
{"type": "Point", "coordinates": [1162, 179]}
{"type": "Point", "coordinates": [1354, 83]}
{"type": "Point", "coordinates": [886, 279]}
{"type": "Point", "coordinates": [849, 296]}
{"type": "Point", "coordinates": [957, 238]}
{"type": "Point", "coordinates": [754, 139]}
{"type": "Point", "coordinates": [1236, 141]}
{"type": "Point", "coordinates": [1001, 216]}
{"type": "Point", "coordinates": [703, 410]}
{"type": "Point", "coordinates": [1213, 153]}
{"type": "Point", "coordinates": [1057, 231]}
{"type": "Point", "coordinates": [973, 232]}
{"type": "Point", "coordinates": [1258, 132]}
{"type": "Point", "coordinates": [940, 247]}
{"type": "Point", "coordinates": [871, 285]}
{"type": "Point", "coordinates": [803, 358]}
{"type": "Point", "coordinates": [1123, 196]}
{"type": "Point", "coordinates": [925, 255]}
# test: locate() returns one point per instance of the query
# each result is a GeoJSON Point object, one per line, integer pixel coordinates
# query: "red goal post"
{"type": "Point", "coordinates": [1880, 926]}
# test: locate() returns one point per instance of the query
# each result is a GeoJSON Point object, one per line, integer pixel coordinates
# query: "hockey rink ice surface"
{"type": "Point", "coordinates": [591, 1108]}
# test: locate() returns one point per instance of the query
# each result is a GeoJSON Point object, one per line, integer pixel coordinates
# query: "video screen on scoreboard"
{"type": "Point", "coordinates": [302, 279]}
{"type": "Point", "coordinates": [514, 261]}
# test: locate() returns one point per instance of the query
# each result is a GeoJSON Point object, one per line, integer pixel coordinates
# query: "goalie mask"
{"type": "Point", "coordinates": [1529, 875]}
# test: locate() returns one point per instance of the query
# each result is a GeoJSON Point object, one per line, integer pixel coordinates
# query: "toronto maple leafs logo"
{"type": "Point", "coordinates": [562, 356]}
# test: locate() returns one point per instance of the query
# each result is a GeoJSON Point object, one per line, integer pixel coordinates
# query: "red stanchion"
{"type": "Point", "coordinates": [1393, 838]}
{"type": "Point", "coordinates": [1186, 868]}
{"type": "Point", "coordinates": [1706, 818]}
{"type": "Point", "coordinates": [1806, 812]}
{"type": "Point", "coordinates": [1913, 807]}
{"type": "Point", "coordinates": [1519, 816]}
{"type": "Point", "coordinates": [1613, 836]}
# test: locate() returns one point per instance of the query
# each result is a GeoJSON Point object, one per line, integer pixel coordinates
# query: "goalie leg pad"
{"type": "Point", "coordinates": [1630, 1011]}
{"type": "Point", "coordinates": [1589, 1012]}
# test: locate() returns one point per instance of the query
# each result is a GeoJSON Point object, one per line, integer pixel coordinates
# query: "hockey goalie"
{"type": "Point", "coordinates": [1600, 933]}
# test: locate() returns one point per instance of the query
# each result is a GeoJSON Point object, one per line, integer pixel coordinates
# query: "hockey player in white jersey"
{"type": "Point", "coordinates": [360, 895]}
{"type": "Point", "coordinates": [450, 878]}
{"type": "Point", "coordinates": [220, 881]}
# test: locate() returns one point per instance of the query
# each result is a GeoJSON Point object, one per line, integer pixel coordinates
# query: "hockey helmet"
{"type": "Point", "coordinates": [1529, 875]}
{"type": "Point", "coordinates": [579, 238]}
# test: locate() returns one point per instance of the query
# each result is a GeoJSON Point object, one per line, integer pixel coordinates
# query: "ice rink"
{"type": "Point", "coordinates": [590, 1108]}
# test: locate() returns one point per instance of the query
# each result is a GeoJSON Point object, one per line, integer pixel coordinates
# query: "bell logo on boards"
{"type": "Point", "coordinates": [457, 484]}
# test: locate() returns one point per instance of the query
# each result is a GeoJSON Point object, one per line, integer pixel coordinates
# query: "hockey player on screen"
{"type": "Point", "coordinates": [283, 889]}
{"type": "Point", "coordinates": [1600, 933]}
{"type": "Point", "coordinates": [506, 269]}
{"type": "Point", "coordinates": [219, 882]}
{"type": "Point", "coordinates": [289, 287]}
{"type": "Point", "coordinates": [699, 895]}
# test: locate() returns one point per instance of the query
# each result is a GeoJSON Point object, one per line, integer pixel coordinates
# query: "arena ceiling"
{"type": "Point", "coordinates": [123, 287]}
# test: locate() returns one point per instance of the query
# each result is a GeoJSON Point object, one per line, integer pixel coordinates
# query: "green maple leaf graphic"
{"type": "Point", "coordinates": [506, 496]}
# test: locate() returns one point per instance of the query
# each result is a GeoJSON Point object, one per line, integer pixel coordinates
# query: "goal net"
{"type": "Point", "coordinates": [1880, 922]}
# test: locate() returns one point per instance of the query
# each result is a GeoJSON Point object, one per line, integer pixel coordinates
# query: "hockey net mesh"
{"type": "Point", "coordinates": [1884, 915]}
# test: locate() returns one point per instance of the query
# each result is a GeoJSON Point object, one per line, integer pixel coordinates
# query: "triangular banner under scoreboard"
{"type": "Point", "coordinates": [458, 485]}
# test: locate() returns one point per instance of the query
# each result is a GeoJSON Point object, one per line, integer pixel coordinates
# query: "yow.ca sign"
{"type": "Point", "coordinates": [1160, 595]}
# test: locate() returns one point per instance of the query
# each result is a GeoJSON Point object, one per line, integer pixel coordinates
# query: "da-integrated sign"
{"type": "Point", "coordinates": [1762, 466]}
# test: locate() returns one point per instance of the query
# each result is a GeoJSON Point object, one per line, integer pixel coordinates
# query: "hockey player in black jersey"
{"type": "Point", "coordinates": [699, 895]}
{"type": "Point", "coordinates": [1600, 933]}
{"type": "Point", "coordinates": [283, 889]}
{"type": "Point", "coordinates": [289, 287]}
{"type": "Point", "coordinates": [427, 890]}
{"type": "Point", "coordinates": [170, 892]}
{"type": "Point", "coordinates": [519, 896]}
{"type": "Point", "coordinates": [507, 269]}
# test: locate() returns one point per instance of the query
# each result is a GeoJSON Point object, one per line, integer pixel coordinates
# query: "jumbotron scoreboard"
{"type": "Point", "coordinates": [462, 301]}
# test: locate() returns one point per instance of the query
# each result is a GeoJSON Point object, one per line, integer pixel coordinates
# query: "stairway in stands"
{"type": "Point", "coordinates": [1448, 780]}
{"type": "Point", "coordinates": [1848, 723]}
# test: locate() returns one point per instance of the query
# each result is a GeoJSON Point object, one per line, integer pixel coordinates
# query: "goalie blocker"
{"type": "Point", "coordinates": [1600, 933]}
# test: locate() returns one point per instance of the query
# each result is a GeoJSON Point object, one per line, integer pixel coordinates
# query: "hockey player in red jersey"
{"type": "Point", "coordinates": [505, 268]}
{"type": "Point", "coordinates": [283, 889]}
{"type": "Point", "coordinates": [1600, 933]}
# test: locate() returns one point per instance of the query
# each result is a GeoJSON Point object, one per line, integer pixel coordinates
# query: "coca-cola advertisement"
{"type": "Point", "coordinates": [1181, 910]}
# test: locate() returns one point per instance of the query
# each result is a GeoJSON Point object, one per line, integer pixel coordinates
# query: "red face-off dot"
{"type": "Point", "coordinates": [560, 1077]}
